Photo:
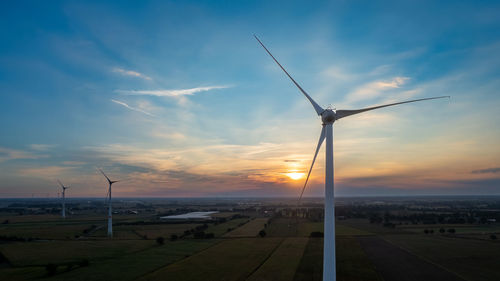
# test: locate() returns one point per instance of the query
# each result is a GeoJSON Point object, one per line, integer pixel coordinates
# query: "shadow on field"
{"type": "Point", "coordinates": [395, 264]}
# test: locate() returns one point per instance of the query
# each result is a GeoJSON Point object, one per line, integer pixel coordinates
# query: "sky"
{"type": "Point", "coordinates": [178, 99]}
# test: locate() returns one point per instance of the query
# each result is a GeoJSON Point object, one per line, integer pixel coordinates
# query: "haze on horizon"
{"type": "Point", "coordinates": [180, 100]}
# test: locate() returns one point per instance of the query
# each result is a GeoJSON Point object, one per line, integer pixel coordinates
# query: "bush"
{"type": "Point", "coordinates": [69, 267]}
{"type": "Point", "coordinates": [199, 235]}
{"type": "Point", "coordinates": [317, 234]}
{"type": "Point", "coordinates": [442, 230]}
{"type": "Point", "coordinates": [173, 237]}
{"type": "Point", "coordinates": [160, 240]}
{"type": "Point", "coordinates": [51, 269]}
{"type": "Point", "coordinates": [493, 237]}
{"type": "Point", "coordinates": [209, 236]}
{"type": "Point", "coordinates": [84, 263]}
{"type": "Point", "coordinates": [451, 230]}
{"type": "Point", "coordinates": [262, 233]}
{"type": "Point", "coordinates": [426, 231]}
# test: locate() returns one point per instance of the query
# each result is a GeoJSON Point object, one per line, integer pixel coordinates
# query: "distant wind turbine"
{"type": "Point", "coordinates": [110, 211]}
{"type": "Point", "coordinates": [329, 116]}
{"type": "Point", "coordinates": [63, 198]}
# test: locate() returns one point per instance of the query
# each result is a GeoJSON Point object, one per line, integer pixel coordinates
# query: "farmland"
{"type": "Point", "coordinates": [257, 242]}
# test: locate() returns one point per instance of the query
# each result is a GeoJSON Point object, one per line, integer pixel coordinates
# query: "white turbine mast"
{"type": "Point", "coordinates": [63, 212]}
{"type": "Point", "coordinates": [110, 211]}
{"type": "Point", "coordinates": [328, 117]}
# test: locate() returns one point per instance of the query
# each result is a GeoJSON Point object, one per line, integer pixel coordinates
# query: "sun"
{"type": "Point", "coordinates": [295, 175]}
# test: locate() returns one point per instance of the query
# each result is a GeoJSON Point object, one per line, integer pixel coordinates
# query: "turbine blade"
{"type": "Point", "coordinates": [344, 113]}
{"type": "Point", "coordinates": [321, 139]}
{"type": "Point", "coordinates": [60, 183]}
{"type": "Point", "coordinates": [318, 108]}
{"type": "Point", "coordinates": [107, 197]}
{"type": "Point", "coordinates": [104, 175]}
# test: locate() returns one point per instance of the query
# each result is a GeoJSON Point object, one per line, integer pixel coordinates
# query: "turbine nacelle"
{"type": "Point", "coordinates": [328, 116]}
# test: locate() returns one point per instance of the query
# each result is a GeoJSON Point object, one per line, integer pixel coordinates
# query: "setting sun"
{"type": "Point", "coordinates": [295, 175]}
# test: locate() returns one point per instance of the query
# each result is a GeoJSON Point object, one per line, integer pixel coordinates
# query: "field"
{"type": "Point", "coordinates": [229, 247]}
{"type": "Point", "coordinates": [290, 253]}
{"type": "Point", "coordinates": [236, 259]}
{"type": "Point", "coordinates": [250, 229]}
{"type": "Point", "coordinates": [470, 259]}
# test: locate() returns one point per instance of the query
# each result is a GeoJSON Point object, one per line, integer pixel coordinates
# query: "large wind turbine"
{"type": "Point", "coordinates": [63, 198]}
{"type": "Point", "coordinates": [328, 117]}
{"type": "Point", "coordinates": [110, 212]}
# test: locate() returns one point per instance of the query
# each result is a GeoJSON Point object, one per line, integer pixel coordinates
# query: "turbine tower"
{"type": "Point", "coordinates": [328, 117]}
{"type": "Point", "coordinates": [63, 198]}
{"type": "Point", "coordinates": [110, 212]}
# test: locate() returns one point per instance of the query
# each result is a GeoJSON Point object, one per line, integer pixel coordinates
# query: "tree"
{"type": "Point", "coordinates": [442, 230]}
{"type": "Point", "coordinates": [199, 234]}
{"type": "Point", "coordinates": [84, 262]}
{"type": "Point", "coordinates": [316, 234]}
{"type": "Point", "coordinates": [426, 231]}
{"type": "Point", "coordinates": [451, 230]}
{"type": "Point", "coordinates": [51, 269]}
{"type": "Point", "coordinates": [160, 240]}
{"type": "Point", "coordinates": [493, 237]}
{"type": "Point", "coordinates": [173, 237]}
{"type": "Point", "coordinates": [262, 233]}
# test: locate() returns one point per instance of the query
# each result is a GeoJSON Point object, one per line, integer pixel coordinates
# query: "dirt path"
{"type": "Point", "coordinates": [395, 264]}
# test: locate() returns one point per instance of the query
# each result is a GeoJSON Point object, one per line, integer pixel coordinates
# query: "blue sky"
{"type": "Point", "coordinates": [178, 98]}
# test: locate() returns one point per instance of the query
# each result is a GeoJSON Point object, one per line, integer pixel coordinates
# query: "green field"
{"type": "Point", "coordinates": [250, 229]}
{"type": "Point", "coordinates": [233, 259]}
{"type": "Point", "coordinates": [471, 259]}
{"type": "Point", "coordinates": [290, 253]}
{"type": "Point", "coordinates": [221, 228]}
{"type": "Point", "coordinates": [287, 252]}
{"type": "Point", "coordinates": [352, 262]}
{"type": "Point", "coordinates": [41, 253]}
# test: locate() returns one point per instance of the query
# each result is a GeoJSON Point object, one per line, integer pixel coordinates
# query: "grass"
{"type": "Point", "coordinates": [232, 259]}
{"type": "Point", "coordinates": [250, 229]}
{"type": "Point", "coordinates": [471, 259]}
{"type": "Point", "coordinates": [460, 229]}
{"type": "Point", "coordinates": [221, 228]}
{"type": "Point", "coordinates": [352, 262]}
{"type": "Point", "coordinates": [289, 253]}
{"type": "Point", "coordinates": [133, 266]}
{"type": "Point", "coordinates": [151, 231]}
{"type": "Point", "coordinates": [46, 231]}
{"type": "Point", "coordinates": [282, 227]}
{"type": "Point", "coordinates": [311, 264]}
{"type": "Point", "coordinates": [41, 253]}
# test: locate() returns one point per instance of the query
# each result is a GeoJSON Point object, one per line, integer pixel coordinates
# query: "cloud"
{"type": "Point", "coordinates": [374, 89]}
{"type": "Point", "coordinates": [170, 93]}
{"type": "Point", "coordinates": [41, 147]}
{"type": "Point", "coordinates": [487, 171]}
{"type": "Point", "coordinates": [132, 73]}
{"type": "Point", "coordinates": [131, 108]}
{"type": "Point", "coordinates": [11, 154]}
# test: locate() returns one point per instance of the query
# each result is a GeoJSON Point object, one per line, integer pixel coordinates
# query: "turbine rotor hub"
{"type": "Point", "coordinates": [328, 116]}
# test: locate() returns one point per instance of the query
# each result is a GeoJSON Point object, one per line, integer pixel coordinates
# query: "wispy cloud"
{"type": "Point", "coordinates": [487, 171]}
{"type": "Point", "coordinates": [374, 89]}
{"type": "Point", "coordinates": [170, 93]}
{"type": "Point", "coordinates": [132, 73]}
{"type": "Point", "coordinates": [131, 108]}
{"type": "Point", "coordinates": [41, 147]}
{"type": "Point", "coordinates": [11, 154]}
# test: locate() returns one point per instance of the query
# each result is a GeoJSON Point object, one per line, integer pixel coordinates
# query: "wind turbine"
{"type": "Point", "coordinates": [63, 198]}
{"type": "Point", "coordinates": [328, 117]}
{"type": "Point", "coordinates": [110, 212]}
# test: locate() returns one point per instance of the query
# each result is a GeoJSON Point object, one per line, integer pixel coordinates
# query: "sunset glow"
{"type": "Point", "coordinates": [295, 175]}
{"type": "Point", "coordinates": [179, 99]}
